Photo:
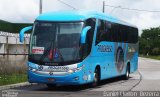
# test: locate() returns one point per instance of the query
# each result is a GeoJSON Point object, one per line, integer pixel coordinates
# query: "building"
{"type": "Point", "coordinates": [9, 43]}
{"type": "Point", "coordinates": [9, 38]}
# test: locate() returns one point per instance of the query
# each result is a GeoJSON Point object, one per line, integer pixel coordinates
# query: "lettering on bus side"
{"type": "Point", "coordinates": [104, 48]}
{"type": "Point", "coordinates": [58, 68]}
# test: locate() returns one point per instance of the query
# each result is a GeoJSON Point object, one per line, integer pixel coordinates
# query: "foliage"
{"type": "Point", "coordinates": [12, 27]}
{"type": "Point", "coordinates": [12, 79]}
{"type": "Point", "coordinates": [149, 42]}
{"type": "Point", "coordinates": [13, 69]}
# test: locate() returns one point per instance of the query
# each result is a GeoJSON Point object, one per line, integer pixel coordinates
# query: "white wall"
{"type": "Point", "coordinates": [15, 47]}
{"type": "Point", "coordinates": [2, 39]}
{"type": "Point", "coordinates": [2, 48]}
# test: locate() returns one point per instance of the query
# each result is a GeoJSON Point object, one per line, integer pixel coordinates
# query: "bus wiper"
{"type": "Point", "coordinates": [53, 52]}
{"type": "Point", "coordinates": [46, 52]}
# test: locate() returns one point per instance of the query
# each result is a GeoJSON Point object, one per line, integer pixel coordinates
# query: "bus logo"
{"type": "Point", "coordinates": [104, 48]}
{"type": "Point", "coordinates": [50, 73]}
{"type": "Point", "coordinates": [119, 59]}
{"type": "Point", "coordinates": [58, 68]}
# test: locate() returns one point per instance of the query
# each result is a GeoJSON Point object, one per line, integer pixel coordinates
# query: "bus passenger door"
{"type": "Point", "coordinates": [103, 50]}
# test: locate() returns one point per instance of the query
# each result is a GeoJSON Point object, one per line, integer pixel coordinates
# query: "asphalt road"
{"type": "Point", "coordinates": [147, 78]}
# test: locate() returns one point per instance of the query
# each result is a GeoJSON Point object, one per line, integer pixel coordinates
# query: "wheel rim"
{"type": "Point", "coordinates": [127, 73]}
{"type": "Point", "coordinates": [95, 78]}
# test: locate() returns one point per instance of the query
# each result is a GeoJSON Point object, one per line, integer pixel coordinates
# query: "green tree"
{"type": "Point", "coordinates": [149, 42]}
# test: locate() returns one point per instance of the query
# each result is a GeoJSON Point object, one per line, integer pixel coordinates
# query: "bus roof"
{"type": "Point", "coordinates": [69, 16]}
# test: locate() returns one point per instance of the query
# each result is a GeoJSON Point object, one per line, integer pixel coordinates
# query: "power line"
{"type": "Point", "coordinates": [68, 5]}
{"type": "Point", "coordinates": [114, 9]}
{"type": "Point", "coordinates": [132, 9]}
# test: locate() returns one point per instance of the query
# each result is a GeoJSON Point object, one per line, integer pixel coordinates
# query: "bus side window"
{"type": "Point", "coordinates": [90, 22]}
{"type": "Point", "coordinates": [89, 38]}
{"type": "Point", "coordinates": [125, 32]}
{"type": "Point", "coordinates": [108, 31]}
{"type": "Point", "coordinates": [100, 36]}
{"type": "Point", "coordinates": [112, 33]}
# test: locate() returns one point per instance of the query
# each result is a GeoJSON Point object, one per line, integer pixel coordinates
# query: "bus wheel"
{"type": "Point", "coordinates": [126, 76]}
{"type": "Point", "coordinates": [51, 86]}
{"type": "Point", "coordinates": [96, 78]}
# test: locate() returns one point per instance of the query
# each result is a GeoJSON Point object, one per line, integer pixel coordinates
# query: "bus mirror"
{"type": "Point", "coordinates": [84, 33]}
{"type": "Point", "coordinates": [21, 35]}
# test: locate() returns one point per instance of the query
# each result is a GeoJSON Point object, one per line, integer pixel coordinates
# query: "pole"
{"type": "Point", "coordinates": [40, 7]}
{"type": "Point", "coordinates": [103, 7]}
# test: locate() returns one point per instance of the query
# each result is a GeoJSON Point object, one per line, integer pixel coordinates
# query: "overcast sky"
{"type": "Point", "coordinates": [25, 11]}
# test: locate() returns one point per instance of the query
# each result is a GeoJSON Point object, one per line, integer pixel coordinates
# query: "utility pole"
{"type": "Point", "coordinates": [40, 7]}
{"type": "Point", "coordinates": [103, 7]}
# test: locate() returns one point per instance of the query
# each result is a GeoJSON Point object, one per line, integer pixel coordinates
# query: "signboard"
{"type": "Point", "coordinates": [37, 50]}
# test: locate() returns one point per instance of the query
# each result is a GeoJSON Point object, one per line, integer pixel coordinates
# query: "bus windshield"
{"type": "Point", "coordinates": [55, 43]}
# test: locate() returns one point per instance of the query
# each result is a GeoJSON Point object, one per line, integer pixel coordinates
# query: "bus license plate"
{"type": "Point", "coordinates": [51, 79]}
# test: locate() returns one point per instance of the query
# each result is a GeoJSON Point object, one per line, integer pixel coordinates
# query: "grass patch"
{"type": "Point", "coordinates": [152, 57]}
{"type": "Point", "coordinates": [12, 79]}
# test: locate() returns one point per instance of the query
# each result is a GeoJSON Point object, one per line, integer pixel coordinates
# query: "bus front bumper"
{"type": "Point", "coordinates": [75, 78]}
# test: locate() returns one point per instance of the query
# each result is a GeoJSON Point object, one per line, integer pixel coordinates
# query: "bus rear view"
{"type": "Point", "coordinates": [63, 50]}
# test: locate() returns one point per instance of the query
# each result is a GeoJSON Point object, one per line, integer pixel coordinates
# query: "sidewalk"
{"type": "Point", "coordinates": [14, 85]}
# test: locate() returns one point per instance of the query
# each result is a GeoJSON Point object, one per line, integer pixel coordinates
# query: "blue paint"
{"type": "Point", "coordinates": [106, 60]}
{"type": "Point", "coordinates": [69, 16]}
{"type": "Point", "coordinates": [84, 33]}
{"type": "Point", "coordinates": [23, 31]}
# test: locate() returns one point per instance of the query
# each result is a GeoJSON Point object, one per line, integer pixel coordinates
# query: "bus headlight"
{"type": "Point", "coordinates": [76, 69]}
{"type": "Point", "coordinates": [70, 71]}
{"type": "Point", "coordinates": [32, 67]}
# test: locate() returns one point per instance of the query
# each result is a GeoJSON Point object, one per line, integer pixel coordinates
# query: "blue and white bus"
{"type": "Point", "coordinates": [79, 47]}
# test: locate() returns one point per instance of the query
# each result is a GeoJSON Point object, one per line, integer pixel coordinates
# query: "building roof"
{"type": "Point", "coordinates": [78, 16]}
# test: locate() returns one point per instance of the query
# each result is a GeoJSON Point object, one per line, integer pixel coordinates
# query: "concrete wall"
{"type": "Point", "coordinates": [18, 49]}
{"type": "Point", "coordinates": [3, 39]}
{"type": "Point", "coordinates": [2, 49]}
{"type": "Point", "coordinates": [9, 42]}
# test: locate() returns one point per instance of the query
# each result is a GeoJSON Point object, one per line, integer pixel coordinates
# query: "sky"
{"type": "Point", "coordinates": [25, 11]}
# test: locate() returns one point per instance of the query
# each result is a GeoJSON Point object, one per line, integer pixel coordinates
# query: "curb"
{"type": "Point", "coordinates": [14, 85]}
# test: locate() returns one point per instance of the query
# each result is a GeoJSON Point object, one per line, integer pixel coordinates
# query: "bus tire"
{"type": "Point", "coordinates": [126, 76]}
{"type": "Point", "coordinates": [51, 86]}
{"type": "Point", "coordinates": [96, 77]}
